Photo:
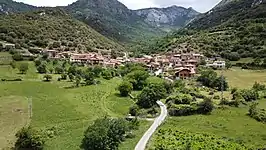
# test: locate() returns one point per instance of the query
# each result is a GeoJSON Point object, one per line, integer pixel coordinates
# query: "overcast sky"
{"type": "Point", "coordinates": [199, 5]}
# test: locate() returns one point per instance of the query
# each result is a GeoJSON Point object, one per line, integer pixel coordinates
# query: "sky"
{"type": "Point", "coordinates": [199, 5]}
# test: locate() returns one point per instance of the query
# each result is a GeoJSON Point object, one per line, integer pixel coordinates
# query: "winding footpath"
{"type": "Point", "coordinates": [158, 121]}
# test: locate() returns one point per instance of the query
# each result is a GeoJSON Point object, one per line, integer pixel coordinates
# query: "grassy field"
{"type": "Point", "coordinates": [243, 60]}
{"type": "Point", "coordinates": [67, 111]}
{"type": "Point", "coordinates": [231, 123]}
{"type": "Point", "coordinates": [244, 78]}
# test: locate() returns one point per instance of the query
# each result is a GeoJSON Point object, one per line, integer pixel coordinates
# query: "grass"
{"type": "Point", "coordinates": [5, 58]}
{"type": "Point", "coordinates": [68, 111]}
{"type": "Point", "coordinates": [230, 123]}
{"type": "Point", "coordinates": [243, 60]}
{"type": "Point", "coordinates": [244, 78]}
{"type": "Point", "coordinates": [131, 143]}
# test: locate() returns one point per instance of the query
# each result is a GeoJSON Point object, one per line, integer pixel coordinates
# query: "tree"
{"type": "Point", "coordinates": [47, 77]}
{"type": "Point", "coordinates": [125, 88]}
{"type": "Point", "coordinates": [105, 134]}
{"type": "Point", "coordinates": [29, 139]}
{"type": "Point", "coordinates": [138, 79]}
{"type": "Point", "coordinates": [150, 95]}
{"type": "Point", "coordinates": [220, 84]}
{"type": "Point", "coordinates": [228, 64]}
{"type": "Point", "coordinates": [207, 77]}
{"type": "Point", "coordinates": [258, 87]}
{"type": "Point", "coordinates": [206, 107]}
{"type": "Point", "coordinates": [72, 70]}
{"type": "Point", "coordinates": [89, 77]}
{"type": "Point", "coordinates": [42, 68]}
{"type": "Point", "coordinates": [23, 68]}
{"type": "Point", "coordinates": [63, 76]}
{"type": "Point", "coordinates": [97, 71]}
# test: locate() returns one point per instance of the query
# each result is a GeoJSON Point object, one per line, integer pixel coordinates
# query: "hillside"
{"type": "Point", "coordinates": [9, 6]}
{"type": "Point", "coordinates": [232, 30]}
{"type": "Point", "coordinates": [112, 19]}
{"type": "Point", "coordinates": [52, 28]}
{"type": "Point", "coordinates": [167, 18]}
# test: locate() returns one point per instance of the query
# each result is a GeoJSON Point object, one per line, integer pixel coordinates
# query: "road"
{"type": "Point", "coordinates": [158, 121]}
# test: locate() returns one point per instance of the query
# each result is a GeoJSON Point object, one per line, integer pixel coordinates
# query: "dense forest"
{"type": "Point", "coordinates": [52, 28]}
{"type": "Point", "coordinates": [235, 30]}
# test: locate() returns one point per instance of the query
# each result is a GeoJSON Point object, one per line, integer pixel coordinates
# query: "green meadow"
{"type": "Point", "coordinates": [67, 112]}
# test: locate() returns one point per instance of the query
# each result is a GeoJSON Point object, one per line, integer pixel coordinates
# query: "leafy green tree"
{"type": "Point", "coordinates": [206, 107]}
{"type": "Point", "coordinates": [47, 77]}
{"type": "Point", "coordinates": [63, 76]}
{"type": "Point", "coordinates": [228, 64]}
{"type": "Point", "coordinates": [105, 134]}
{"type": "Point", "coordinates": [72, 70]}
{"type": "Point", "coordinates": [42, 68]}
{"type": "Point", "coordinates": [97, 71]}
{"type": "Point", "coordinates": [207, 77]}
{"type": "Point", "coordinates": [29, 139]}
{"type": "Point", "coordinates": [89, 77]}
{"type": "Point", "coordinates": [23, 68]}
{"type": "Point", "coordinates": [125, 88]}
{"type": "Point", "coordinates": [150, 95]}
{"type": "Point", "coordinates": [138, 79]}
{"type": "Point", "coordinates": [220, 84]}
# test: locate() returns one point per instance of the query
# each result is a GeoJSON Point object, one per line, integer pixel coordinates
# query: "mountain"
{"type": "Point", "coordinates": [170, 17]}
{"type": "Point", "coordinates": [229, 10]}
{"type": "Point", "coordinates": [52, 28]}
{"type": "Point", "coordinates": [233, 29]}
{"type": "Point", "coordinates": [9, 6]}
{"type": "Point", "coordinates": [112, 19]}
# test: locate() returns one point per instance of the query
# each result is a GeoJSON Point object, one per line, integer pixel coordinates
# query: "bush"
{"type": "Point", "coordinates": [17, 57]}
{"type": "Point", "coordinates": [125, 88]}
{"type": "Point", "coordinates": [63, 76]}
{"type": "Point", "coordinates": [233, 103]}
{"type": "Point", "coordinates": [256, 113]}
{"type": "Point", "coordinates": [250, 95]}
{"type": "Point", "coordinates": [47, 77]}
{"type": "Point", "coordinates": [180, 99]}
{"type": "Point", "coordinates": [206, 107]}
{"type": "Point", "coordinates": [29, 139]}
{"type": "Point", "coordinates": [23, 68]}
{"type": "Point", "coordinates": [182, 110]}
{"type": "Point", "coordinates": [217, 97]}
{"type": "Point", "coordinates": [258, 87]}
{"type": "Point", "coordinates": [42, 69]}
{"type": "Point", "coordinates": [134, 110]}
{"type": "Point", "coordinates": [138, 79]}
{"type": "Point", "coordinates": [107, 75]}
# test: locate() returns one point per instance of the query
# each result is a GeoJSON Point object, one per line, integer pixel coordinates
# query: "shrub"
{"type": "Point", "coordinates": [216, 97]}
{"type": "Point", "coordinates": [250, 95]}
{"type": "Point", "coordinates": [17, 57]}
{"type": "Point", "coordinates": [180, 99]}
{"type": "Point", "coordinates": [233, 90]}
{"type": "Point", "coordinates": [23, 68]}
{"type": "Point", "coordinates": [258, 87]}
{"type": "Point", "coordinates": [206, 107]}
{"type": "Point", "coordinates": [107, 75]}
{"type": "Point", "coordinates": [134, 110]}
{"type": "Point", "coordinates": [125, 88]}
{"type": "Point", "coordinates": [42, 68]}
{"type": "Point", "coordinates": [30, 139]}
{"type": "Point", "coordinates": [63, 76]}
{"type": "Point", "coordinates": [256, 113]}
{"type": "Point", "coordinates": [182, 110]}
{"type": "Point", "coordinates": [47, 77]}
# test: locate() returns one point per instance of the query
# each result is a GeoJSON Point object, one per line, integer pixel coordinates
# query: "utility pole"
{"type": "Point", "coordinates": [30, 107]}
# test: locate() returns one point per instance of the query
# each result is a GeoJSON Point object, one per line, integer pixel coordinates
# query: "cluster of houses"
{"type": "Point", "coordinates": [174, 65]}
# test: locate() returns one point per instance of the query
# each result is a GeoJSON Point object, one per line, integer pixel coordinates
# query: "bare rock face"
{"type": "Point", "coordinates": [171, 16]}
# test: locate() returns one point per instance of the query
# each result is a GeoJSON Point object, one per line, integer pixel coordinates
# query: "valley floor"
{"type": "Point", "coordinates": [64, 111]}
